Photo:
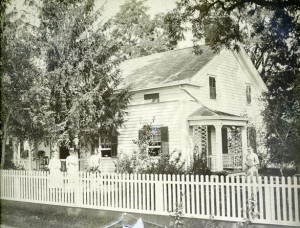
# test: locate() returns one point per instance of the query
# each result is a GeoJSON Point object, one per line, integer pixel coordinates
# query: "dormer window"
{"type": "Point", "coordinates": [151, 98]}
{"type": "Point", "coordinates": [212, 88]}
{"type": "Point", "coordinates": [248, 93]}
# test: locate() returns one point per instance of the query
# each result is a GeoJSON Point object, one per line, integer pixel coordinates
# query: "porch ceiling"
{"type": "Point", "coordinates": [206, 116]}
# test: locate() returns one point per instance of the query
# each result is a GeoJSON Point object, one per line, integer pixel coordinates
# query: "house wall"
{"type": "Point", "coordinates": [231, 80]}
{"type": "Point", "coordinates": [170, 111]}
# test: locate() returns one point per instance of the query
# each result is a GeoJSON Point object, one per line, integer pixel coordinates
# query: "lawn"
{"type": "Point", "coordinates": [20, 217]}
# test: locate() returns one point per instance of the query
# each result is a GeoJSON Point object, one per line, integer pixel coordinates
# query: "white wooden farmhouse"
{"type": "Point", "coordinates": [200, 104]}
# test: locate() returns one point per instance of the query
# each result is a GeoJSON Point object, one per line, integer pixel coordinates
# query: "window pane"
{"type": "Point", "coordinates": [248, 93]}
{"type": "Point", "coordinates": [152, 98]}
{"type": "Point", "coordinates": [212, 88]}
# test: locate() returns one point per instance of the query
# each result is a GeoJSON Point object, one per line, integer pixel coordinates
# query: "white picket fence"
{"type": "Point", "coordinates": [271, 200]}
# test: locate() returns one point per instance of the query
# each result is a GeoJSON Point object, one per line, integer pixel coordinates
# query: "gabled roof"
{"type": "Point", "coordinates": [204, 111]}
{"type": "Point", "coordinates": [171, 67]}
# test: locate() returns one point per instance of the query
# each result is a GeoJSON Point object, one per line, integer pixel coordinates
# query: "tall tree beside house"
{"type": "Point", "coordinates": [18, 72]}
{"type": "Point", "coordinates": [81, 75]}
{"type": "Point", "coordinates": [138, 34]}
{"type": "Point", "coordinates": [269, 31]}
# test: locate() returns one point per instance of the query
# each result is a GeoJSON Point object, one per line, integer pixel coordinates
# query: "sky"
{"type": "Point", "coordinates": [111, 7]}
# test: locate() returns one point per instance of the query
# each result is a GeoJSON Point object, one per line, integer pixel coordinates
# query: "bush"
{"type": "Point", "coordinates": [139, 162]}
{"type": "Point", "coordinates": [276, 171]}
{"type": "Point", "coordinates": [168, 164]}
{"type": "Point", "coordinates": [199, 166]}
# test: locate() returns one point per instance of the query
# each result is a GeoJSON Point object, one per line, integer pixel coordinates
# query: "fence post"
{"type": "Point", "coordinates": [77, 189]}
{"type": "Point", "coordinates": [159, 193]}
{"type": "Point", "coordinates": [17, 184]}
{"type": "Point", "coordinates": [268, 194]}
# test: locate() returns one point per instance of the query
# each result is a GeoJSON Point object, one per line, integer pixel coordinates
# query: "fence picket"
{"type": "Point", "coordinates": [202, 195]}
{"type": "Point", "coordinates": [260, 196]}
{"type": "Point", "coordinates": [272, 197]}
{"type": "Point", "coordinates": [276, 199]}
{"type": "Point", "coordinates": [197, 206]}
{"type": "Point", "coordinates": [212, 192]}
{"type": "Point", "coordinates": [284, 207]}
{"type": "Point", "coordinates": [296, 206]}
{"type": "Point", "coordinates": [222, 197]}
{"type": "Point", "coordinates": [289, 198]}
{"type": "Point", "coordinates": [207, 202]}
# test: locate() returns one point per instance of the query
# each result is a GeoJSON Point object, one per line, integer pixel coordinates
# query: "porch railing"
{"type": "Point", "coordinates": [232, 161]}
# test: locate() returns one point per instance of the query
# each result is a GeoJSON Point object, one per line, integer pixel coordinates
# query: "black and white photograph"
{"type": "Point", "coordinates": [150, 113]}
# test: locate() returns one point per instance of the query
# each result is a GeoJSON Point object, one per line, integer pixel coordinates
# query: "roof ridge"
{"type": "Point", "coordinates": [168, 51]}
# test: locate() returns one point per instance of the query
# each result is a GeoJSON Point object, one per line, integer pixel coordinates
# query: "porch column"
{"type": "Point", "coordinates": [244, 146]}
{"type": "Point", "coordinates": [219, 155]}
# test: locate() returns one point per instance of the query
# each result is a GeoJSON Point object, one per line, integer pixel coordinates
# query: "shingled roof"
{"type": "Point", "coordinates": [204, 111]}
{"type": "Point", "coordinates": [171, 67]}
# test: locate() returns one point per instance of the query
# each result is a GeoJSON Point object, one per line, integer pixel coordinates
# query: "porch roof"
{"type": "Point", "coordinates": [206, 116]}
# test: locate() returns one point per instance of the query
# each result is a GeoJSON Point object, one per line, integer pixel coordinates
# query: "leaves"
{"type": "Point", "coordinates": [138, 34]}
{"type": "Point", "coordinates": [269, 32]}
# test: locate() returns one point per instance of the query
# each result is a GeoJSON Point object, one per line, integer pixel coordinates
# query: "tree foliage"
{"type": "Point", "coordinates": [17, 76]}
{"type": "Point", "coordinates": [60, 79]}
{"type": "Point", "coordinates": [77, 92]}
{"type": "Point", "coordinates": [137, 33]}
{"type": "Point", "coordinates": [269, 32]}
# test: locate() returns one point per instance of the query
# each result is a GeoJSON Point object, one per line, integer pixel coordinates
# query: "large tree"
{"type": "Point", "coordinates": [17, 75]}
{"type": "Point", "coordinates": [60, 80]}
{"type": "Point", "coordinates": [78, 95]}
{"type": "Point", "coordinates": [137, 33]}
{"type": "Point", "coordinates": [270, 33]}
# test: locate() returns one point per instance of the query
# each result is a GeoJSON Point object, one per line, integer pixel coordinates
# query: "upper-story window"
{"type": "Point", "coordinates": [151, 98]}
{"type": "Point", "coordinates": [212, 88]}
{"type": "Point", "coordinates": [248, 93]}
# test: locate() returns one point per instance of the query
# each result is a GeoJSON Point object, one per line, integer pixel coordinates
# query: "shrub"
{"type": "Point", "coordinates": [276, 171]}
{"type": "Point", "coordinates": [168, 164]}
{"type": "Point", "coordinates": [199, 166]}
{"type": "Point", "coordinates": [139, 162]}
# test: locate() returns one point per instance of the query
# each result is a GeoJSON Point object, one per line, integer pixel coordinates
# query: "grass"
{"type": "Point", "coordinates": [31, 218]}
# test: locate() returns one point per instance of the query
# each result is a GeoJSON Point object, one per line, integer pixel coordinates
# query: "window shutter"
{"type": "Point", "coordinates": [224, 140]}
{"type": "Point", "coordinates": [164, 139]}
{"type": "Point", "coordinates": [114, 146]}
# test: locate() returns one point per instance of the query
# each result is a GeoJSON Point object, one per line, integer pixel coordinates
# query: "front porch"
{"type": "Point", "coordinates": [220, 138]}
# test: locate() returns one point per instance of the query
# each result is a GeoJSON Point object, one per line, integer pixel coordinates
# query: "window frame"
{"type": "Point", "coordinates": [157, 143]}
{"type": "Point", "coordinates": [151, 98]}
{"type": "Point", "coordinates": [107, 147]}
{"type": "Point", "coordinates": [248, 94]}
{"type": "Point", "coordinates": [212, 87]}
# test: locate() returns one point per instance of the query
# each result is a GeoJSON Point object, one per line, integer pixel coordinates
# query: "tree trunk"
{"type": "Point", "coordinates": [281, 169]}
{"type": "Point", "coordinates": [3, 143]}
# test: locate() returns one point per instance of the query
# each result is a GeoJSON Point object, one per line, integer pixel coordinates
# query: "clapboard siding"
{"type": "Point", "coordinates": [164, 114]}
{"type": "Point", "coordinates": [165, 94]}
{"type": "Point", "coordinates": [231, 81]}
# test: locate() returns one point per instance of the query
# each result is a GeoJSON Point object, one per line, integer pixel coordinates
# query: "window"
{"type": "Point", "coordinates": [248, 93]}
{"type": "Point", "coordinates": [151, 98]}
{"type": "Point", "coordinates": [109, 147]}
{"type": "Point", "coordinates": [158, 139]}
{"type": "Point", "coordinates": [155, 142]}
{"type": "Point", "coordinates": [212, 88]}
